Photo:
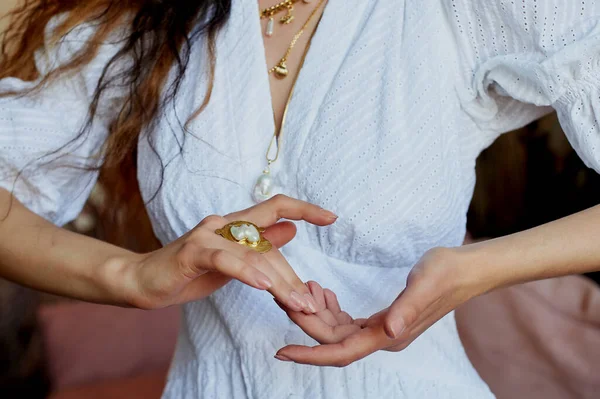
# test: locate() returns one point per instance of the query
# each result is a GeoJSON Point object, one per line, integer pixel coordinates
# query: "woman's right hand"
{"type": "Point", "coordinates": [200, 262]}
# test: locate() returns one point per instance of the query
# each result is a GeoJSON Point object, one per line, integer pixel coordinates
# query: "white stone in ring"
{"type": "Point", "coordinates": [247, 231]}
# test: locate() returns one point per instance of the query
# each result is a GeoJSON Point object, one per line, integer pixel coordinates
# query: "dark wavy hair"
{"type": "Point", "coordinates": [158, 39]}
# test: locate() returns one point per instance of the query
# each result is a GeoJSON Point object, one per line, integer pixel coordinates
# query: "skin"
{"type": "Point", "coordinates": [441, 281]}
{"type": "Point", "coordinates": [35, 253]}
{"type": "Point", "coordinates": [38, 254]}
{"type": "Point", "coordinates": [276, 46]}
{"type": "Point", "coordinates": [444, 278]}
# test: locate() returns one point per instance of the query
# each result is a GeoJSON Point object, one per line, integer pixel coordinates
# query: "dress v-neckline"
{"type": "Point", "coordinates": [312, 83]}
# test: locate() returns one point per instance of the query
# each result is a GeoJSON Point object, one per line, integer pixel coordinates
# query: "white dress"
{"type": "Point", "coordinates": [394, 104]}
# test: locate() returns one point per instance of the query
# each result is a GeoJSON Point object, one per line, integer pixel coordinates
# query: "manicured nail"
{"type": "Point", "coordinates": [282, 358]}
{"type": "Point", "coordinates": [329, 214]}
{"type": "Point", "coordinates": [263, 282]}
{"type": "Point", "coordinates": [298, 301]}
{"type": "Point", "coordinates": [312, 304]}
{"type": "Point", "coordinates": [397, 327]}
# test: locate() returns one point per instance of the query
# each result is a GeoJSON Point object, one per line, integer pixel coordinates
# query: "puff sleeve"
{"type": "Point", "coordinates": [43, 156]}
{"type": "Point", "coordinates": [522, 59]}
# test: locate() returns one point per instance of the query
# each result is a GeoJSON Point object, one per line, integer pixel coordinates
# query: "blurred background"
{"type": "Point", "coordinates": [539, 340]}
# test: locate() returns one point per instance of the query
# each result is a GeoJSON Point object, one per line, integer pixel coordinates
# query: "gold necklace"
{"type": "Point", "coordinates": [277, 8]}
{"type": "Point", "coordinates": [281, 69]}
{"type": "Point", "coordinates": [263, 189]}
{"type": "Point", "coordinates": [270, 11]}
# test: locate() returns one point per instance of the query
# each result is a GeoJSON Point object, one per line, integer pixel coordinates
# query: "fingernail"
{"type": "Point", "coordinates": [397, 327]}
{"type": "Point", "coordinates": [298, 301]}
{"type": "Point", "coordinates": [264, 283]}
{"type": "Point", "coordinates": [312, 304]}
{"type": "Point", "coordinates": [282, 358]}
{"type": "Point", "coordinates": [329, 214]}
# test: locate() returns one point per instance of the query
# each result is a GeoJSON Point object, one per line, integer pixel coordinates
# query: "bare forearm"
{"type": "Point", "coordinates": [566, 246]}
{"type": "Point", "coordinates": [35, 253]}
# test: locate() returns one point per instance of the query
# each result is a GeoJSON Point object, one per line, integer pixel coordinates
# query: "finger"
{"type": "Point", "coordinates": [355, 347]}
{"type": "Point", "coordinates": [251, 268]}
{"type": "Point", "coordinates": [283, 268]}
{"type": "Point", "coordinates": [405, 310]}
{"type": "Point", "coordinates": [202, 287]}
{"type": "Point", "coordinates": [325, 315]}
{"type": "Point", "coordinates": [320, 330]}
{"type": "Point", "coordinates": [318, 294]}
{"type": "Point", "coordinates": [334, 306]}
{"type": "Point", "coordinates": [280, 234]}
{"type": "Point", "coordinates": [419, 327]}
{"type": "Point", "coordinates": [285, 284]}
{"type": "Point", "coordinates": [416, 331]}
{"type": "Point", "coordinates": [194, 260]}
{"type": "Point", "coordinates": [344, 318]}
{"type": "Point", "coordinates": [292, 296]}
{"type": "Point", "coordinates": [322, 312]}
{"type": "Point", "coordinates": [316, 291]}
{"type": "Point", "coordinates": [282, 207]}
{"type": "Point", "coordinates": [404, 342]}
{"type": "Point", "coordinates": [329, 318]}
{"type": "Point", "coordinates": [331, 301]}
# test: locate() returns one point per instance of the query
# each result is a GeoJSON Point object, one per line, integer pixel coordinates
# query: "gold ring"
{"type": "Point", "coordinates": [247, 234]}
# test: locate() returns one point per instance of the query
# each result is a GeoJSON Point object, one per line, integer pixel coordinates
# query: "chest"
{"type": "Point", "coordinates": [374, 132]}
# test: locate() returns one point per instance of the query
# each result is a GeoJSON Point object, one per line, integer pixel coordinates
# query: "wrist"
{"type": "Point", "coordinates": [481, 267]}
{"type": "Point", "coordinates": [117, 278]}
{"type": "Point", "coordinates": [465, 267]}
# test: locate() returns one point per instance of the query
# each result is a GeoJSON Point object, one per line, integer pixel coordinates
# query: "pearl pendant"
{"type": "Point", "coordinates": [263, 189]}
{"type": "Point", "coordinates": [270, 27]}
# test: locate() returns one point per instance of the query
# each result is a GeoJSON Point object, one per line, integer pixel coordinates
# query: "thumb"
{"type": "Point", "coordinates": [280, 233]}
{"type": "Point", "coordinates": [405, 310]}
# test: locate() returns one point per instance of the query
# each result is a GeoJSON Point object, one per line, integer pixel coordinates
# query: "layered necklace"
{"type": "Point", "coordinates": [265, 185]}
{"type": "Point", "coordinates": [280, 69]}
{"type": "Point", "coordinates": [287, 5]}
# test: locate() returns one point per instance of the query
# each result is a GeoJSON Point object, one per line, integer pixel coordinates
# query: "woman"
{"type": "Point", "coordinates": [392, 102]}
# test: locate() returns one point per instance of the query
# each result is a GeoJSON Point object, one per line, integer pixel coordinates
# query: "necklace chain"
{"type": "Point", "coordinates": [269, 12]}
{"type": "Point", "coordinates": [281, 70]}
{"type": "Point", "coordinates": [266, 186]}
{"type": "Point", "coordinates": [278, 133]}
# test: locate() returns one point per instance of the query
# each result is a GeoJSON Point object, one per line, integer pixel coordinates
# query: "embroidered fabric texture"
{"type": "Point", "coordinates": [385, 133]}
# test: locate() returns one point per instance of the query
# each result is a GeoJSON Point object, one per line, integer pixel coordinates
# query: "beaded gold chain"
{"type": "Point", "coordinates": [265, 185]}
{"type": "Point", "coordinates": [281, 70]}
{"type": "Point", "coordinates": [271, 11]}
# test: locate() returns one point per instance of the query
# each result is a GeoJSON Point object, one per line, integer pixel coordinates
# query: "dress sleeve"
{"type": "Point", "coordinates": [43, 157]}
{"type": "Point", "coordinates": [521, 59]}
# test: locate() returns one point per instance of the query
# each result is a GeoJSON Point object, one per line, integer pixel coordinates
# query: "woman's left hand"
{"type": "Point", "coordinates": [437, 285]}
